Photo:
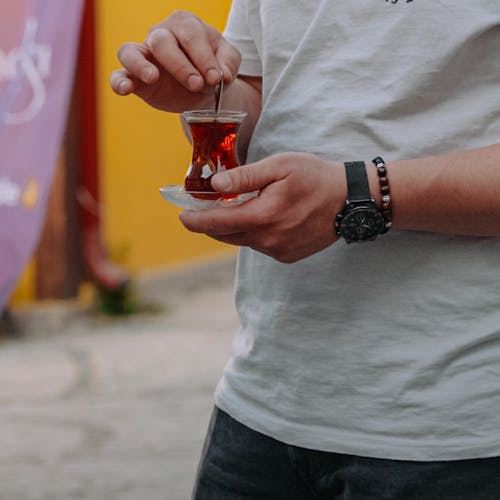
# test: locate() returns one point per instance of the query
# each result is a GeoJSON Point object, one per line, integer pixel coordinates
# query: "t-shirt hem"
{"type": "Point", "coordinates": [305, 436]}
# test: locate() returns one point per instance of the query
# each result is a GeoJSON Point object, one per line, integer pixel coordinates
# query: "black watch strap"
{"type": "Point", "coordinates": [357, 181]}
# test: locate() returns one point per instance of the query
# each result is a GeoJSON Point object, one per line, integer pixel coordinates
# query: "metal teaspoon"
{"type": "Point", "coordinates": [218, 94]}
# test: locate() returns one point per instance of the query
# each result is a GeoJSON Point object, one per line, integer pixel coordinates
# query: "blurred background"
{"type": "Point", "coordinates": [115, 322]}
{"type": "Point", "coordinates": [115, 155]}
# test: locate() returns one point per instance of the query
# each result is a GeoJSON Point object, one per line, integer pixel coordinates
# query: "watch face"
{"type": "Point", "coordinates": [361, 223]}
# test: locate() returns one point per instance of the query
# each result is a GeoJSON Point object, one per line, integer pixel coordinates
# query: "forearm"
{"type": "Point", "coordinates": [454, 193]}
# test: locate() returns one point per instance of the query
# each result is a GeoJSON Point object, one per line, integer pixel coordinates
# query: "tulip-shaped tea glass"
{"type": "Point", "coordinates": [214, 141]}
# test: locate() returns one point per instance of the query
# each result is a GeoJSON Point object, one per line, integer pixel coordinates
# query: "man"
{"type": "Point", "coordinates": [368, 370]}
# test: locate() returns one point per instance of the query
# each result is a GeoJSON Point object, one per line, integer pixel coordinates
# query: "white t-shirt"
{"type": "Point", "coordinates": [390, 348]}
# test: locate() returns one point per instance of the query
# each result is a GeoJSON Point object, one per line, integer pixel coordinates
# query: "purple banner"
{"type": "Point", "coordinates": [38, 47]}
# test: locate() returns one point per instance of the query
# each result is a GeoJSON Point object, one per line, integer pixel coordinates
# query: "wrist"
{"type": "Point", "coordinates": [362, 219]}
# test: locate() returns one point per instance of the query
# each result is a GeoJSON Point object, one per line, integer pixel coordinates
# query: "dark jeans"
{"type": "Point", "coordinates": [241, 464]}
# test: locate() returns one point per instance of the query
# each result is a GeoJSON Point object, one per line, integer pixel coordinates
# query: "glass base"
{"type": "Point", "coordinates": [178, 196]}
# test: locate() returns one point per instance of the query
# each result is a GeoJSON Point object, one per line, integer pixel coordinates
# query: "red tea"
{"type": "Point", "coordinates": [214, 149]}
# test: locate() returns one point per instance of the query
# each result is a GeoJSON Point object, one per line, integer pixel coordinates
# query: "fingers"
{"type": "Point", "coordinates": [121, 82]}
{"type": "Point", "coordinates": [221, 221]}
{"type": "Point", "coordinates": [251, 177]}
{"type": "Point", "coordinates": [182, 48]}
{"type": "Point", "coordinates": [229, 59]}
{"type": "Point", "coordinates": [193, 52]}
{"type": "Point", "coordinates": [250, 229]}
{"type": "Point", "coordinates": [173, 60]}
{"type": "Point", "coordinates": [243, 228]}
{"type": "Point", "coordinates": [137, 68]}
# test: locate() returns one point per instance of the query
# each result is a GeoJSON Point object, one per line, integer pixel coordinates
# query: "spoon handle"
{"type": "Point", "coordinates": [218, 93]}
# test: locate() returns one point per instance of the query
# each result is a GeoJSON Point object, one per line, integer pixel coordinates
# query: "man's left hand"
{"type": "Point", "coordinates": [293, 215]}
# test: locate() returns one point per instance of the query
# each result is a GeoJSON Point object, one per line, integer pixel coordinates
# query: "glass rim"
{"type": "Point", "coordinates": [204, 114]}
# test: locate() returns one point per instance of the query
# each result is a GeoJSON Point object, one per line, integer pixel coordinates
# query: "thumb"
{"type": "Point", "coordinates": [245, 179]}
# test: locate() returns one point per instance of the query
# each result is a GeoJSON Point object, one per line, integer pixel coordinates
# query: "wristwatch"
{"type": "Point", "coordinates": [360, 220]}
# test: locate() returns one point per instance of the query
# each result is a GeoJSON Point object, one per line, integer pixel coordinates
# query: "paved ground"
{"type": "Point", "coordinates": [100, 408]}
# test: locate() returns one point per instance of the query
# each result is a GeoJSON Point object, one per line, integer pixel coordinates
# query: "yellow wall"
{"type": "Point", "coordinates": [143, 149]}
{"type": "Point", "coordinates": [25, 291]}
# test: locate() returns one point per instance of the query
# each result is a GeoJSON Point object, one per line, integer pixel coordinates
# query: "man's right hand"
{"type": "Point", "coordinates": [177, 66]}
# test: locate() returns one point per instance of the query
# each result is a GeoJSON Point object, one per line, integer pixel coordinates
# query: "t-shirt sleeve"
{"type": "Point", "coordinates": [238, 33]}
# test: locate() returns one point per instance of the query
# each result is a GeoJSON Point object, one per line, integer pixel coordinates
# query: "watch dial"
{"type": "Point", "coordinates": [361, 224]}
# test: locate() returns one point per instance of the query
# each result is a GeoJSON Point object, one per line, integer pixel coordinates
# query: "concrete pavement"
{"type": "Point", "coordinates": [102, 408]}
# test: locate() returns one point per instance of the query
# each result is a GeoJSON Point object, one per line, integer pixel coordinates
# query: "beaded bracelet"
{"type": "Point", "coordinates": [386, 205]}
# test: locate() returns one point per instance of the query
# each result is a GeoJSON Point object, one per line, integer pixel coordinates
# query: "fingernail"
{"type": "Point", "coordinates": [222, 183]}
{"type": "Point", "coordinates": [147, 74]}
{"type": "Point", "coordinates": [195, 82]}
{"type": "Point", "coordinates": [213, 75]}
{"type": "Point", "coordinates": [185, 215]}
{"type": "Point", "coordinates": [227, 72]}
{"type": "Point", "coordinates": [155, 36]}
{"type": "Point", "coordinates": [123, 87]}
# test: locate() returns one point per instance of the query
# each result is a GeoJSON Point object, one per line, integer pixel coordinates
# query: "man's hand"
{"type": "Point", "coordinates": [293, 215]}
{"type": "Point", "coordinates": [177, 66]}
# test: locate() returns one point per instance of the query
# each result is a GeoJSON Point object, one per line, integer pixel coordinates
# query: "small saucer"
{"type": "Point", "coordinates": [178, 196]}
